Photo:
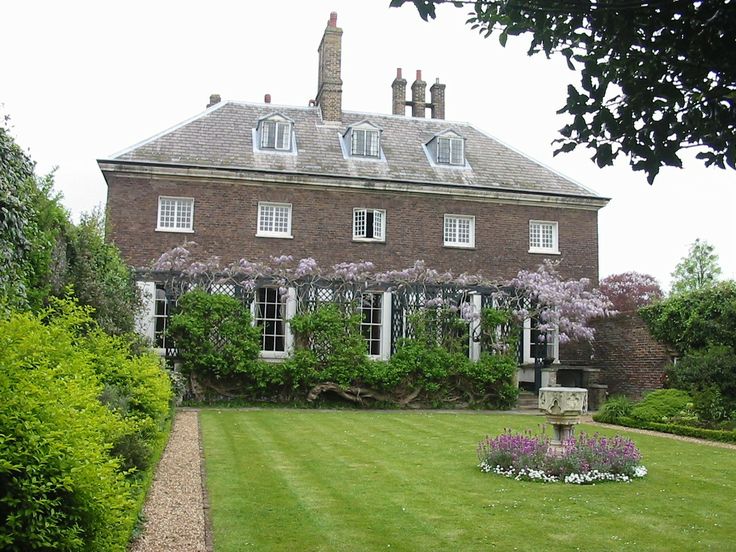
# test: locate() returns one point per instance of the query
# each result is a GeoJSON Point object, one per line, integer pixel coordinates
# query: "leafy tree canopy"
{"type": "Point", "coordinates": [698, 270]}
{"type": "Point", "coordinates": [656, 76]}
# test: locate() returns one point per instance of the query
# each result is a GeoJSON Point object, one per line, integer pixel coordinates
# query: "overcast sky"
{"type": "Point", "coordinates": [83, 80]}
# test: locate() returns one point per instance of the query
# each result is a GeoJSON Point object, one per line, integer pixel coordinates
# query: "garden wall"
{"type": "Point", "coordinates": [632, 362]}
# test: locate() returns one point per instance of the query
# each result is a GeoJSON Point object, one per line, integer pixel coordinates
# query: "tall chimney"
{"type": "Point", "coordinates": [267, 98]}
{"type": "Point", "coordinates": [418, 89]}
{"type": "Point", "coordinates": [329, 83]}
{"type": "Point", "coordinates": [399, 94]}
{"type": "Point", "coordinates": [437, 97]}
{"type": "Point", "coordinates": [214, 99]}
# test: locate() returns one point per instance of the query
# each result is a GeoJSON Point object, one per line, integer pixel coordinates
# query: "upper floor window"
{"type": "Point", "coordinates": [369, 224]}
{"type": "Point", "coordinates": [543, 237]}
{"type": "Point", "coordinates": [364, 143]}
{"type": "Point", "coordinates": [459, 231]}
{"type": "Point", "coordinates": [274, 133]}
{"type": "Point", "coordinates": [274, 220]}
{"type": "Point", "coordinates": [362, 140]}
{"type": "Point", "coordinates": [447, 148]}
{"type": "Point", "coordinates": [175, 214]}
{"type": "Point", "coordinates": [450, 151]}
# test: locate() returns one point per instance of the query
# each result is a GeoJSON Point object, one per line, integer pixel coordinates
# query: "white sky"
{"type": "Point", "coordinates": [82, 80]}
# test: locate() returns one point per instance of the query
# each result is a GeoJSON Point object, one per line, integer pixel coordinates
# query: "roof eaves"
{"type": "Point", "coordinates": [499, 188]}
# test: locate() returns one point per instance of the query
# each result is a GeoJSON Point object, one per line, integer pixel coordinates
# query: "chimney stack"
{"type": "Point", "coordinates": [437, 97]}
{"type": "Point", "coordinates": [399, 94]}
{"type": "Point", "coordinates": [214, 99]}
{"type": "Point", "coordinates": [329, 83]}
{"type": "Point", "coordinates": [418, 93]}
{"type": "Point", "coordinates": [267, 98]}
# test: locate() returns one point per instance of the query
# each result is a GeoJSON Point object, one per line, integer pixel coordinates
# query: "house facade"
{"type": "Point", "coordinates": [256, 180]}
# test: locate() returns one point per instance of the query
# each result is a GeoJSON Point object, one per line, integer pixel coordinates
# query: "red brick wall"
{"type": "Point", "coordinates": [225, 217]}
{"type": "Point", "coordinates": [632, 361]}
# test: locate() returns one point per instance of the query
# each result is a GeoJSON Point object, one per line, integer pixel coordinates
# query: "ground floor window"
{"type": "Point", "coordinates": [269, 315]}
{"type": "Point", "coordinates": [372, 321]}
{"type": "Point", "coordinates": [160, 317]}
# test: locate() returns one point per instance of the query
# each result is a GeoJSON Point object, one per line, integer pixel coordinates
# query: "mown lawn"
{"type": "Point", "coordinates": [302, 480]}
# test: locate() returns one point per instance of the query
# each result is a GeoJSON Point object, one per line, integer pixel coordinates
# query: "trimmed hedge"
{"type": "Point", "coordinates": [687, 431]}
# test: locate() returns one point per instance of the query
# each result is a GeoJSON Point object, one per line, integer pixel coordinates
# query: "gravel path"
{"type": "Point", "coordinates": [175, 508]}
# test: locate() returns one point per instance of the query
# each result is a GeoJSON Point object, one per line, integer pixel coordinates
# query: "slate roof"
{"type": "Point", "coordinates": [222, 137]}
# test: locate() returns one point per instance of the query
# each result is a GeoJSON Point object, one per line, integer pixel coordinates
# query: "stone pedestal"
{"type": "Point", "coordinates": [563, 407]}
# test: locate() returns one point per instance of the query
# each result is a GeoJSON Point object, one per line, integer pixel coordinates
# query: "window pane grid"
{"type": "Point", "coordinates": [359, 216]}
{"type": "Point", "coordinates": [275, 135]}
{"type": "Point", "coordinates": [364, 143]}
{"type": "Point", "coordinates": [450, 151]}
{"type": "Point", "coordinates": [458, 231]}
{"type": "Point", "coordinates": [370, 326]}
{"type": "Point", "coordinates": [269, 317]}
{"type": "Point", "coordinates": [274, 219]}
{"type": "Point", "coordinates": [542, 236]}
{"type": "Point", "coordinates": [175, 213]}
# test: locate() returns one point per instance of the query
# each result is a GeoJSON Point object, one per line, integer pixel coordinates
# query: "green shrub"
{"type": "Point", "coordinates": [81, 418]}
{"type": "Point", "coordinates": [61, 488]}
{"type": "Point", "coordinates": [710, 375]}
{"type": "Point", "coordinates": [331, 345]}
{"type": "Point", "coordinates": [661, 405]}
{"type": "Point", "coordinates": [214, 335]}
{"type": "Point", "coordinates": [615, 407]}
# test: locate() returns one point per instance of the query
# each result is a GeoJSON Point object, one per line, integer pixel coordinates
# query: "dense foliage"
{"type": "Point", "coordinates": [80, 418]}
{"type": "Point", "coordinates": [653, 79]}
{"type": "Point", "coordinates": [615, 407]}
{"type": "Point", "coordinates": [695, 319]}
{"type": "Point", "coordinates": [214, 334]}
{"type": "Point", "coordinates": [43, 254]}
{"type": "Point", "coordinates": [583, 459]}
{"type": "Point", "coordinates": [629, 291]}
{"type": "Point", "coordinates": [697, 270]}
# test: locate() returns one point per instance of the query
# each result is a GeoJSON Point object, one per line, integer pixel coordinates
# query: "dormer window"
{"type": "Point", "coordinates": [363, 140]}
{"type": "Point", "coordinates": [274, 133]}
{"type": "Point", "coordinates": [450, 151]}
{"type": "Point", "coordinates": [447, 148]}
{"type": "Point", "coordinates": [364, 143]}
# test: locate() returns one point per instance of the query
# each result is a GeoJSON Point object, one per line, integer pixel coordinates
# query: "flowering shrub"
{"type": "Point", "coordinates": [584, 459]}
{"type": "Point", "coordinates": [629, 291]}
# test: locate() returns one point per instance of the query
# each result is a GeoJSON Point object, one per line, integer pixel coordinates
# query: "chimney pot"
{"type": "Point", "coordinates": [437, 99]}
{"type": "Point", "coordinates": [329, 83]}
{"type": "Point", "coordinates": [267, 98]}
{"type": "Point", "coordinates": [398, 94]}
{"type": "Point", "coordinates": [214, 99]}
{"type": "Point", "coordinates": [418, 101]}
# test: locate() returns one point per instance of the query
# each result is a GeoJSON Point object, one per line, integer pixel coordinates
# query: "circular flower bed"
{"type": "Point", "coordinates": [583, 459]}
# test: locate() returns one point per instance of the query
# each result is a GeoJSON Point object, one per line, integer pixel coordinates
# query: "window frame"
{"type": "Point", "coordinates": [177, 201]}
{"type": "Point", "coordinates": [364, 237]}
{"type": "Point", "coordinates": [272, 233]}
{"type": "Point", "coordinates": [450, 140]}
{"type": "Point", "coordinates": [282, 316]}
{"type": "Point", "coordinates": [366, 148]}
{"type": "Point", "coordinates": [456, 243]}
{"type": "Point", "coordinates": [554, 249]}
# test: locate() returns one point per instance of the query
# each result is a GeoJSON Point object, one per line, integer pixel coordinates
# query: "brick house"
{"type": "Point", "coordinates": [254, 180]}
